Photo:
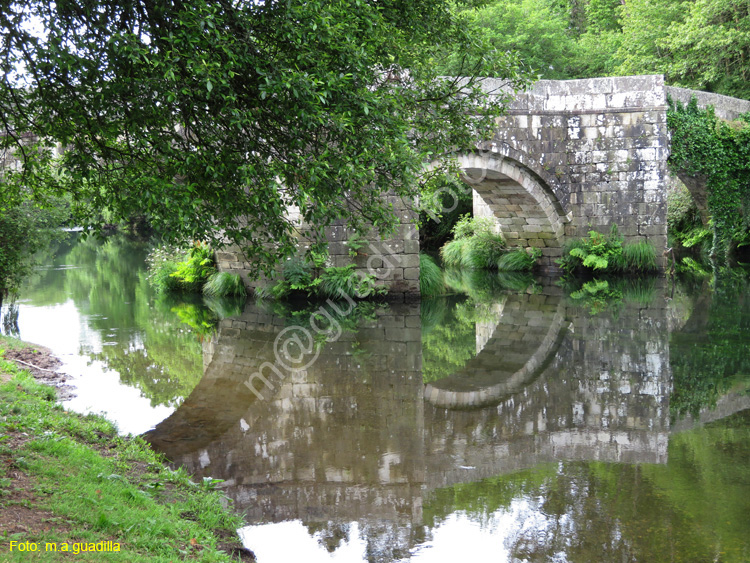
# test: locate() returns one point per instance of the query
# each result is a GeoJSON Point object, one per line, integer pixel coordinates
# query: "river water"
{"type": "Point", "coordinates": [505, 422]}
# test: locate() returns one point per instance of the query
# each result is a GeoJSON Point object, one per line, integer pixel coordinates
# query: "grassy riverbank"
{"type": "Point", "coordinates": [68, 481]}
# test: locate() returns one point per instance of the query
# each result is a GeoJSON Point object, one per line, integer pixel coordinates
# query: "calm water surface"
{"type": "Point", "coordinates": [509, 423]}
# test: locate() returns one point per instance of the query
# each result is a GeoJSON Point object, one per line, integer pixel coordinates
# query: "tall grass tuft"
{"type": "Point", "coordinates": [640, 256]}
{"type": "Point", "coordinates": [224, 284]}
{"type": "Point", "coordinates": [517, 261]}
{"type": "Point", "coordinates": [430, 277]}
{"type": "Point", "coordinates": [454, 253]}
{"type": "Point", "coordinates": [483, 250]}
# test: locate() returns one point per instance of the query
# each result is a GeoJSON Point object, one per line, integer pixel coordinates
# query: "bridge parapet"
{"type": "Point", "coordinates": [725, 107]}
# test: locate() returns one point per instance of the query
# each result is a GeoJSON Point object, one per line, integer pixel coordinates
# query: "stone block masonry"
{"type": "Point", "coordinates": [394, 261]}
{"type": "Point", "coordinates": [568, 156]}
{"type": "Point", "coordinates": [573, 156]}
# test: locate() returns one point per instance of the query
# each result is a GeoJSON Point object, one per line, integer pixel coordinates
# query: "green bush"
{"type": "Point", "coordinates": [454, 253]}
{"type": "Point", "coordinates": [194, 272]}
{"type": "Point", "coordinates": [224, 284]}
{"type": "Point", "coordinates": [174, 269]}
{"type": "Point", "coordinates": [430, 277]}
{"type": "Point", "coordinates": [484, 250]}
{"type": "Point", "coordinates": [476, 246]}
{"type": "Point", "coordinates": [300, 278]}
{"type": "Point", "coordinates": [337, 282]}
{"type": "Point", "coordinates": [606, 253]}
{"type": "Point", "coordinates": [468, 226]}
{"type": "Point", "coordinates": [518, 260]}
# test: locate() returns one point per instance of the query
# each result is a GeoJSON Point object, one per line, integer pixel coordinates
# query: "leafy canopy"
{"type": "Point", "coordinates": [214, 117]}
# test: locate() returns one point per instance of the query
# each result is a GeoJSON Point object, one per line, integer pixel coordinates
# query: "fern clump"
{"type": "Point", "coordinates": [174, 269]}
{"type": "Point", "coordinates": [606, 253]}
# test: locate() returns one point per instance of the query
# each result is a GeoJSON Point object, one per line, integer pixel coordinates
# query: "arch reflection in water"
{"type": "Point", "coordinates": [353, 446]}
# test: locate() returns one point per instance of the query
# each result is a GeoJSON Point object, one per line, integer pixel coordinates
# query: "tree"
{"type": "Point", "coordinates": [535, 30]}
{"type": "Point", "coordinates": [25, 229]}
{"type": "Point", "coordinates": [711, 47]}
{"type": "Point", "coordinates": [215, 117]}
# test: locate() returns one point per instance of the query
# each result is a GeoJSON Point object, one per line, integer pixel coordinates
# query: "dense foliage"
{"type": "Point", "coordinates": [476, 246]}
{"type": "Point", "coordinates": [700, 44]}
{"type": "Point", "coordinates": [703, 145]}
{"type": "Point", "coordinates": [214, 117]}
{"type": "Point", "coordinates": [607, 253]}
{"type": "Point", "coordinates": [25, 229]}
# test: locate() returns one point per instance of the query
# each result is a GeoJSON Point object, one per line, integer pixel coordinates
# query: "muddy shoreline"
{"type": "Point", "coordinates": [42, 364]}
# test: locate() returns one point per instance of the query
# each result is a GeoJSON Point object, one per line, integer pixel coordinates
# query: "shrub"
{"type": "Point", "coordinates": [468, 226]}
{"type": "Point", "coordinates": [484, 250]}
{"type": "Point", "coordinates": [606, 253]}
{"type": "Point", "coordinates": [338, 281]}
{"type": "Point", "coordinates": [430, 277]}
{"type": "Point", "coordinates": [475, 246]}
{"type": "Point", "coordinates": [299, 278]}
{"type": "Point", "coordinates": [454, 253]}
{"type": "Point", "coordinates": [194, 272]}
{"type": "Point", "coordinates": [224, 284]}
{"type": "Point", "coordinates": [518, 260]}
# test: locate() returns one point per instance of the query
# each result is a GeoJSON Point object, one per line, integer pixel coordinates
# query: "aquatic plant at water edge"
{"type": "Point", "coordinates": [484, 250]}
{"type": "Point", "coordinates": [606, 253]}
{"type": "Point", "coordinates": [454, 254]}
{"type": "Point", "coordinates": [337, 282]}
{"type": "Point", "coordinates": [430, 277]}
{"type": "Point", "coordinates": [175, 269]}
{"type": "Point", "coordinates": [302, 279]}
{"type": "Point", "coordinates": [224, 284]}
{"type": "Point", "coordinates": [518, 260]}
{"type": "Point", "coordinates": [199, 266]}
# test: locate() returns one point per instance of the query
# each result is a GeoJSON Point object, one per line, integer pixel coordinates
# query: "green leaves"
{"type": "Point", "coordinates": [214, 118]}
{"type": "Point", "coordinates": [703, 145]}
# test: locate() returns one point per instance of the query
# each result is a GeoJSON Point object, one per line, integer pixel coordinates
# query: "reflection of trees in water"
{"type": "Point", "coordinates": [694, 508]}
{"type": "Point", "coordinates": [142, 335]}
{"type": "Point", "coordinates": [9, 319]}
{"type": "Point", "coordinates": [709, 355]}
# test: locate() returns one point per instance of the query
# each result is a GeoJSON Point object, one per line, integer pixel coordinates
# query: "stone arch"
{"type": "Point", "coordinates": [526, 336]}
{"type": "Point", "coordinates": [527, 212]}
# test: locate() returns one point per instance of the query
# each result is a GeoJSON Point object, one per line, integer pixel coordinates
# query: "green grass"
{"type": "Point", "coordinates": [99, 486]}
{"type": "Point", "coordinates": [454, 253]}
{"type": "Point", "coordinates": [479, 252]}
{"type": "Point", "coordinates": [430, 277]}
{"type": "Point", "coordinates": [224, 284]}
{"type": "Point", "coordinates": [639, 256]}
{"type": "Point", "coordinates": [517, 261]}
{"type": "Point", "coordinates": [484, 250]}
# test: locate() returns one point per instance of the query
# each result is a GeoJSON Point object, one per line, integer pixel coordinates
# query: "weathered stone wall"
{"type": "Point", "coordinates": [725, 107]}
{"type": "Point", "coordinates": [596, 149]}
{"type": "Point", "coordinates": [394, 261]}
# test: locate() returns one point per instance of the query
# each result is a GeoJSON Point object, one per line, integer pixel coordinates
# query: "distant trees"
{"type": "Point", "coordinates": [701, 44]}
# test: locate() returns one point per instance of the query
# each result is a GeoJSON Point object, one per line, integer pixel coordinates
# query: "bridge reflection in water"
{"type": "Point", "coordinates": [358, 437]}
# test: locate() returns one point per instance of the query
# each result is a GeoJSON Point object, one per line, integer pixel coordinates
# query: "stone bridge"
{"type": "Point", "coordinates": [567, 157]}
{"type": "Point", "coordinates": [357, 436]}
